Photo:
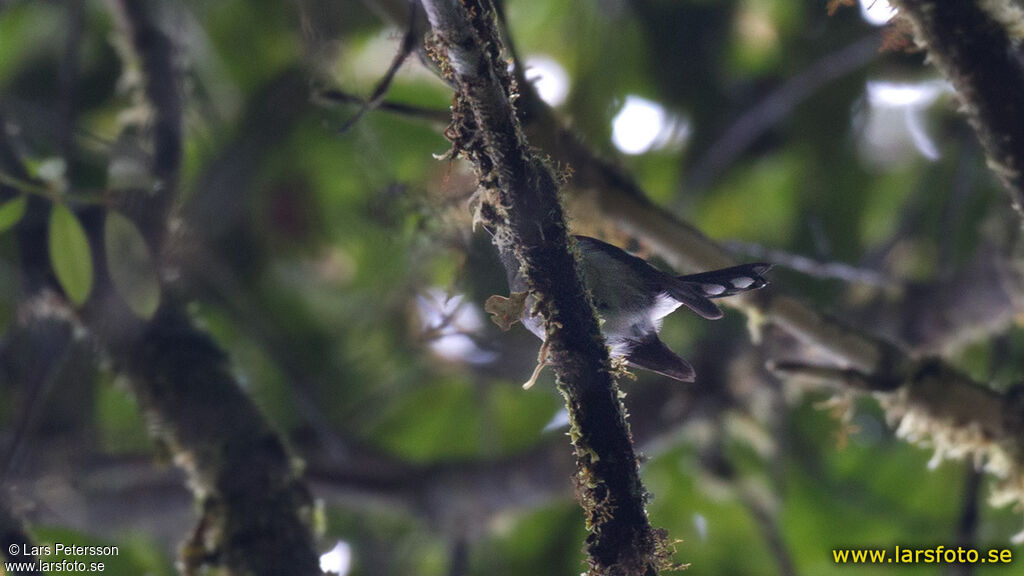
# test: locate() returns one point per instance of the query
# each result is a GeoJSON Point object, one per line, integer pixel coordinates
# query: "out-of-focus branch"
{"type": "Point", "coordinates": [111, 495]}
{"type": "Point", "coordinates": [976, 45]}
{"type": "Point", "coordinates": [520, 198]}
{"type": "Point", "coordinates": [932, 397]}
{"type": "Point", "coordinates": [601, 194]}
{"type": "Point", "coordinates": [966, 530]}
{"type": "Point", "coordinates": [983, 298]}
{"type": "Point", "coordinates": [16, 543]}
{"type": "Point", "coordinates": [810, 266]}
{"type": "Point", "coordinates": [68, 79]}
{"type": "Point", "coordinates": [155, 53]}
{"type": "Point", "coordinates": [408, 45]}
{"type": "Point", "coordinates": [943, 408]}
{"type": "Point", "coordinates": [439, 118]}
{"type": "Point", "coordinates": [257, 512]}
{"type": "Point", "coordinates": [775, 107]}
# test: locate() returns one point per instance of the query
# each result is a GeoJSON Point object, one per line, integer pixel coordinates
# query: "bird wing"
{"type": "Point", "coordinates": [650, 353]}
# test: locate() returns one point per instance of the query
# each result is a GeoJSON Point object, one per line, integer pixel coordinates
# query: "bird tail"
{"type": "Point", "coordinates": [728, 281]}
{"type": "Point", "coordinates": [650, 353]}
{"type": "Point", "coordinates": [696, 290]}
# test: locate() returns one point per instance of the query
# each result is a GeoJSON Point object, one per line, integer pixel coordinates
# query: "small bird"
{"type": "Point", "coordinates": [632, 297]}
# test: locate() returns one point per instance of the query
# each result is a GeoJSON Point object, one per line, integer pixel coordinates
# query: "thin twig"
{"type": "Point", "coordinates": [40, 386]}
{"type": "Point", "coordinates": [810, 266]}
{"type": "Point", "coordinates": [435, 116]}
{"type": "Point", "coordinates": [407, 47]}
{"type": "Point", "coordinates": [68, 79]}
{"type": "Point", "coordinates": [776, 106]}
{"type": "Point", "coordinates": [768, 522]}
{"type": "Point", "coordinates": [966, 534]}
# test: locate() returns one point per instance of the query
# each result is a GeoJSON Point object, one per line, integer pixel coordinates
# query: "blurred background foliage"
{"type": "Point", "coordinates": [340, 272]}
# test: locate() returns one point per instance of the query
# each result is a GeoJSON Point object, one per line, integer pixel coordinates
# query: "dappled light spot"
{"type": "Point", "coordinates": [642, 126]}
{"type": "Point", "coordinates": [549, 78]}
{"type": "Point", "coordinates": [449, 323]}
{"type": "Point", "coordinates": [876, 12]}
{"type": "Point", "coordinates": [337, 560]}
{"type": "Point", "coordinates": [700, 524]}
{"type": "Point", "coordinates": [894, 123]}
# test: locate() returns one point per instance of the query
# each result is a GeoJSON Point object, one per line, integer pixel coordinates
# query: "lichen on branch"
{"type": "Point", "coordinates": [518, 199]}
{"type": "Point", "coordinates": [976, 44]}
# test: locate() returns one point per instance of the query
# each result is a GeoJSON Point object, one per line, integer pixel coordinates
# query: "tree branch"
{"type": "Point", "coordinates": [971, 43]}
{"type": "Point", "coordinates": [810, 266]}
{"type": "Point", "coordinates": [438, 117]}
{"type": "Point", "coordinates": [256, 509]}
{"type": "Point", "coordinates": [932, 402]}
{"type": "Point", "coordinates": [409, 41]}
{"type": "Point", "coordinates": [155, 52]}
{"type": "Point", "coordinates": [775, 107]}
{"type": "Point", "coordinates": [14, 539]}
{"type": "Point", "coordinates": [520, 197]}
{"type": "Point", "coordinates": [257, 512]}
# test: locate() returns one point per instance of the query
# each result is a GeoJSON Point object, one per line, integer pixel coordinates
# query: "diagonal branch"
{"type": "Point", "coordinates": [407, 47]}
{"type": "Point", "coordinates": [520, 198]}
{"type": "Point", "coordinates": [256, 508]}
{"type": "Point", "coordinates": [775, 107]}
{"type": "Point", "coordinates": [930, 400]}
{"type": "Point", "coordinates": [257, 511]}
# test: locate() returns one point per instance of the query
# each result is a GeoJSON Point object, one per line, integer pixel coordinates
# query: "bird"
{"type": "Point", "coordinates": [632, 298]}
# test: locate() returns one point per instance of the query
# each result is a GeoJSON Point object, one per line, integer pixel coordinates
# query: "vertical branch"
{"type": "Point", "coordinates": [972, 42]}
{"type": "Point", "coordinates": [257, 511]}
{"type": "Point", "coordinates": [68, 80]}
{"type": "Point", "coordinates": [520, 198]}
{"type": "Point", "coordinates": [155, 52]}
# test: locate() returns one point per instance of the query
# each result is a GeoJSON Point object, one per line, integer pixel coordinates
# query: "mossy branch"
{"type": "Point", "coordinates": [14, 539]}
{"type": "Point", "coordinates": [986, 423]}
{"type": "Point", "coordinates": [257, 511]}
{"type": "Point", "coordinates": [519, 197]}
{"type": "Point", "coordinates": [976, 44]}
{"type": "Point", "coordinates": [162, 93]}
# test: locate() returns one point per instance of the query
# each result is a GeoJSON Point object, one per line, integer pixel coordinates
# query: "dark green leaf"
{"type": "Point", "coordinates": [131, 265]}
{"type": "Point", "coordinates": [11, 212]}
{"type": "Point", "coordinates": [69, 254]}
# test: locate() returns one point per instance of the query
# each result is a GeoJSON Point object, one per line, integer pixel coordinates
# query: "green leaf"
{"type": "Point", "coordinates": [11, 212]}
{"type": "Point", "coordinates": [69, 254]}
{"type": "Point", "coordinates": [131, 265]}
